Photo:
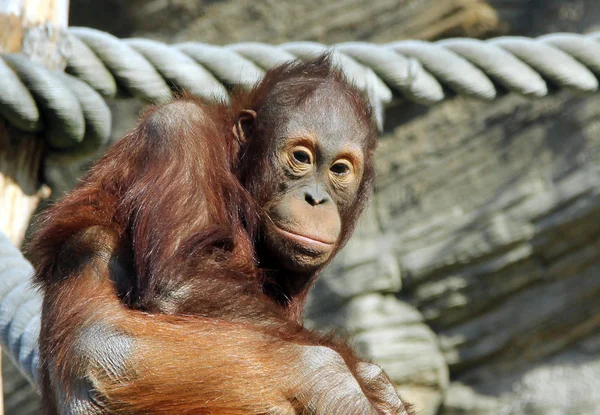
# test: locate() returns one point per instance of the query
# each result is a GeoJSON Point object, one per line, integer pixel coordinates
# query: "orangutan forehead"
{"type": "Point", "coordinates": [321, 104]}
{"type": "Point", "coordinates": [327, 114]}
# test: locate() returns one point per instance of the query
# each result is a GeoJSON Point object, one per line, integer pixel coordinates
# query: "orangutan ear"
{"type": "Point", "coordinates": [242, 129]}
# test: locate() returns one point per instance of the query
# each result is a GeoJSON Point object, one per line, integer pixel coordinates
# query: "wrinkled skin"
{"type": "Point", "coordinates": [319, 166]}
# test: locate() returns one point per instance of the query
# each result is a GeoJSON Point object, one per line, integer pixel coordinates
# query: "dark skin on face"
{"type": "Point", "coordinates": [318, 159]}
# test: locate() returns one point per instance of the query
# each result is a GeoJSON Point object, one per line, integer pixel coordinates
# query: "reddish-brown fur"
{"type": "Point", "coordinates": [161, 244]}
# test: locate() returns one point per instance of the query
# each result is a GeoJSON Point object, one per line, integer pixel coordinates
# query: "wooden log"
{"type": "Point", "coordinates": [230, 21]}
{"type": "Point", "coordinates": [36, 28]}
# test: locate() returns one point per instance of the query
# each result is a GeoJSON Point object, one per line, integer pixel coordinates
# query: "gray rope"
{"type": "Point", "coordinates": [73, 115]}
{"type": "Point", "coordinates": [20, 309]}
{"type": "Point", "coordinates": [77, 121]}
{"type": "Point", "coordinates": [417, 70]}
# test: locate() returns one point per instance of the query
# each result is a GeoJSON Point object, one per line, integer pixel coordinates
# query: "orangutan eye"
{"type": "Point", "coordinates": [301, 156]}
{"type": "Point", "coordinates": [340, 169]}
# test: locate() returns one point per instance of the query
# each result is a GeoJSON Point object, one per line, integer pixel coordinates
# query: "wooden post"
{"type": "Point", "coordinates": [35, 28]}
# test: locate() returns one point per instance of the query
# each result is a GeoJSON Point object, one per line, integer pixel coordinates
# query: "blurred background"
{"type": "Point", "coordinates": [474, 278]}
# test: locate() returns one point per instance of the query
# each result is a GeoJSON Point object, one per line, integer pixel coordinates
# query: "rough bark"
{"type": "Point", "coordinates": [271, 21]}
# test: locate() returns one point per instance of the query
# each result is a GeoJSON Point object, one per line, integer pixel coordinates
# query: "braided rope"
{"type": "Point", "coordinates": [75, 117]}
{"type": "Point", "coordinates": [20, 310]}
{"type": "Point", "coordinates": [71, 110]}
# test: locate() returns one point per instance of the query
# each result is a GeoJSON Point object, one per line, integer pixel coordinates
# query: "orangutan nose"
{"type": "Point", "coordinates": [315, 198]}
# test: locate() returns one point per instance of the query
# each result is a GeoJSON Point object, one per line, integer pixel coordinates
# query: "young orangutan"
{"type": "Point", "coordinates": [175, 275]}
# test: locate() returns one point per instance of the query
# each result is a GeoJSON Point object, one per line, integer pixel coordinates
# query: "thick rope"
{"type": "Point", "coordinates": [76, 120]}
{"type": "Point", "coordinates": [20, 309]}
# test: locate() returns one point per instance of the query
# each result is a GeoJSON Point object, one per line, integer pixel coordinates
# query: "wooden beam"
{"type": "Point", "coordinates": [35, 28]}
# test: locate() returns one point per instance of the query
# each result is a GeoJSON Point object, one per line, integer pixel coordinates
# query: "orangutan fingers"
{"type": "Point", "coordinates": [379, 389]}
{"type": "Point", "coordinates": [327, 386]}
